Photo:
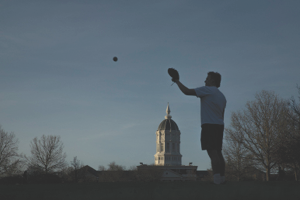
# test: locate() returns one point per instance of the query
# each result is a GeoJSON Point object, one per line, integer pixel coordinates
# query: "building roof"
{"type": "Point", "coordinates": [89, 169]}
{"type": "Point", "coordinates": [168, 123]}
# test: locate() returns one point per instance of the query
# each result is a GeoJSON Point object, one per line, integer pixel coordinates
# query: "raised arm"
{"type": "Point", "coordinates": [184, 89]}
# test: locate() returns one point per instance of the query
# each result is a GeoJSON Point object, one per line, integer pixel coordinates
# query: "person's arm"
{"type": "Point", "coordinates": [184, 89]}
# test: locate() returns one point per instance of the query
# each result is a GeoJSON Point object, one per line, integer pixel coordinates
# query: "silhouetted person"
{"type": "Point", "coordinates": [213, 104]}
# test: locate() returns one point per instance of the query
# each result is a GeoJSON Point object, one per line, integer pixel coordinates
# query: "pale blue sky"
{"type": "Point", "coordinates": [58, 77]}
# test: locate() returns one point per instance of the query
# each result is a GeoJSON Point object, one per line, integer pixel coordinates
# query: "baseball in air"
{"type": "Point", "coordinates": [115, 59]}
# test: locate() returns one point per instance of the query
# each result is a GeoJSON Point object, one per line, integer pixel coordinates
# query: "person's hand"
{"type": "Point", "coordinates": [175, 80]}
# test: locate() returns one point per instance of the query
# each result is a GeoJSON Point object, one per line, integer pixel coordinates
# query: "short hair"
{"type": "Point", "coordinates": [216, 77]}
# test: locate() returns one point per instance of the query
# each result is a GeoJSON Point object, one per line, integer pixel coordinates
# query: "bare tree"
{"type": "Point", "coordinates": [10, 161]}
{"type": "Point", "coordinates": [288, 147]}
{"type": "Point", "coordinates": [114, 172]}
{"type": "Point", "coordinates": [76, 164]}
{"type": "Point", "coordinates": [101, 168]}
{"type": "Point", "coordinates": [132, 168]}
{"type": "Point", "coordinates": [67, 174]}
{"type": "Point", "coordinates": [258, 127]}
{"type": "Point", "coordinates": [287, 152]}
{"type": "Point", "coordinates": [114, 167]}
{"type": "Point", "coordinates": [295, 139]}
{"type": "Point", "coordinates": [295, 107]}
{"type": "Point", "coordinates": [238, 158]}
{"type": "Point", "coordinates": [47, 154]}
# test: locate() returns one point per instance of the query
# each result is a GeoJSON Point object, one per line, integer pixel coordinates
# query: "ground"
{"type": "Point", "coordinates": [154, 190]}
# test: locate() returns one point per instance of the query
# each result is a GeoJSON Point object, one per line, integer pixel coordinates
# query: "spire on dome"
{"type": "Point", "coordinates": [168, 116]}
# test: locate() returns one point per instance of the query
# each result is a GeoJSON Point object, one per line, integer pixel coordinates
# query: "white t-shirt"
{"type": "Point", "coordinates": [213, 103]}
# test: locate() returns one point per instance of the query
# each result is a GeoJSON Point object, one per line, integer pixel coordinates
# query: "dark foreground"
{"type": "Point", "coordinates": [154, 190]}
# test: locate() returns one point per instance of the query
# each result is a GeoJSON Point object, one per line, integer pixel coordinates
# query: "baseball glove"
{"type": "Point", "coordinates": [174, 74]}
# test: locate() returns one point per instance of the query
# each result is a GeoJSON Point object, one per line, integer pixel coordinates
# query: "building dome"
{"type": "Point", "coordinates": [167, 142]}
{"type": "Point", "coordinates": [168, 124]}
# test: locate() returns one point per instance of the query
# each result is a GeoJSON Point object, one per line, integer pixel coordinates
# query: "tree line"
{"type": "Point", "coordinates": [47, 164]}
{"type": "Point", "coordinates": [264, 136]}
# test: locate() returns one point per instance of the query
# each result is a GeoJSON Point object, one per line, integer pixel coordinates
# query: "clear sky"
{"type": "Point", "coordinates": [57, 76]}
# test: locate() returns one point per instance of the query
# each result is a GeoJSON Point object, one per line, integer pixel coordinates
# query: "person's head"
{"type": "Point", "coordinates": [213, 79]}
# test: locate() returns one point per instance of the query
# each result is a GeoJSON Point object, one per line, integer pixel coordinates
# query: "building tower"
{"type": "Point", "coordinates": [167, 142]}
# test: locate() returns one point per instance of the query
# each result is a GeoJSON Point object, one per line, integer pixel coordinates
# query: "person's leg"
{"type": "Point", "coordinates": [219, 144]}
{"type": "Point", "coordinates": [222, 163]}
{"type": "Point", "coordinates": [211, 140]}
{"type": "Point", "coordinates": [215, 161]}
{"type": "Point", "coordinates": [222, 166]}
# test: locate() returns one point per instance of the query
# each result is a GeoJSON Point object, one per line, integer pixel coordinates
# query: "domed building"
{"type": "Point", "coordinates": [167, 142]}
{"type": "Point", "coordinates": [168, 157]}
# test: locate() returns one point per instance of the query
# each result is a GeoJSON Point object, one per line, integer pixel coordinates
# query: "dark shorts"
{"type": "Point", "coordinates": [212, 136]}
